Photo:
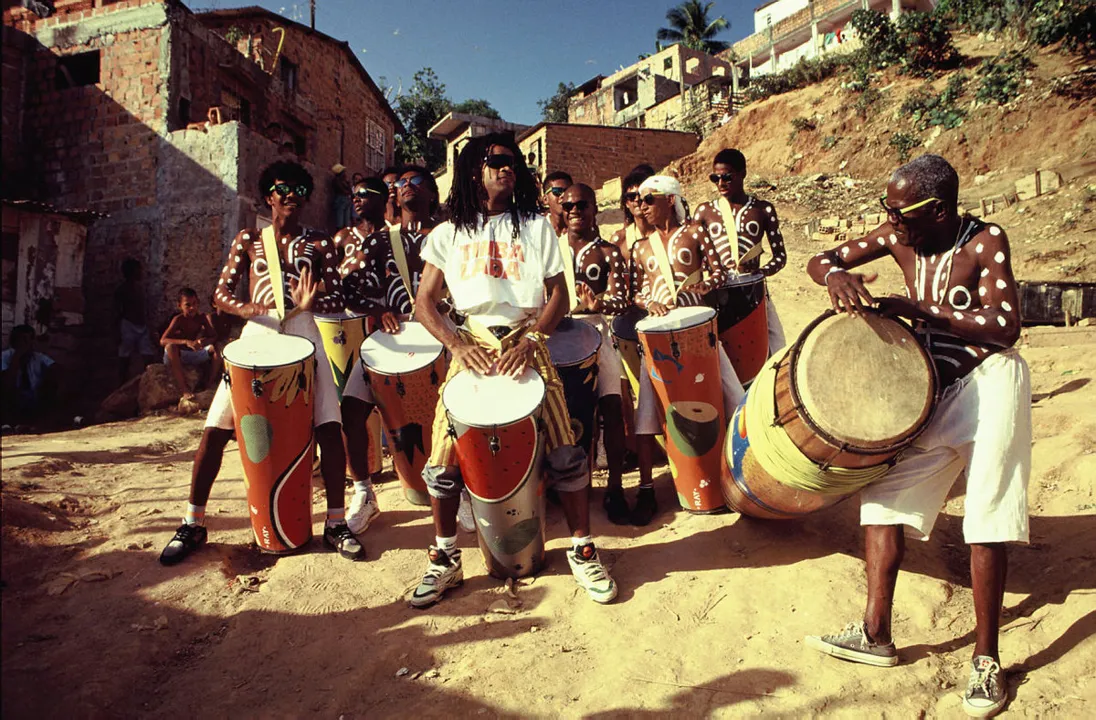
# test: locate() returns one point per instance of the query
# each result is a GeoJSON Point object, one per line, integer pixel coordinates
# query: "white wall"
{"type": "Point", "coordinates": [776, 12]}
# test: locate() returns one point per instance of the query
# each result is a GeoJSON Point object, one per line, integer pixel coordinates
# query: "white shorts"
{"type": "Point", "coordinates": [357, 385]}
{"type": "Point", "coordinates": [609, 367]}
{"type": "Point", "coordinates": [777, 342]}
{"type": "Point", "coordinates": [982, 425]}
{"type": "Point", "coordinates": [134, 339]}
{"type": "Point", "coordinates": [649, 415]}
{"type": "Point", "coordinates": [326, 402]}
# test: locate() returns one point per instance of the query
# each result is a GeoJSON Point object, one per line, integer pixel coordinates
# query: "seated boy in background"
{"type": "Point", "coordinates": [189, 340]}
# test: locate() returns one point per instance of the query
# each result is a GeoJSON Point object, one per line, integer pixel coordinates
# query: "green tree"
{"type": "Point", "coordinates": [420, 108]}
{"type": "Point", "coordinates": [690, 25]}
{"type": "Point", "coordinates": [554, 109]}
{"type": "Point", "coordinates": [477, 106]}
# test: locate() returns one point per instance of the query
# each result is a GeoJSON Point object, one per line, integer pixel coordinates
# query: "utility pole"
{"type": "Point", "coordinates": [312, 12]}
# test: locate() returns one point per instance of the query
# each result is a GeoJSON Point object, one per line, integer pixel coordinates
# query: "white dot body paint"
{"type": "Point", "coordinates": [978, 248]}
{"type": "Point", "coordinates": [999, 257]}
{"type": "Point", "coordinates": [844, 251]}
{"type": "Point", "coordinates": [893, 238]}
{"type": "Point", "coordinates": [982, 290]}
{"type": "Point", "coordinates": [985, 271]}
{"type": "Point", "coordinates": [1001, 320]}
{"type": "Point", "coordinates": [994, 230]}
{"type": "Point", "coordinates": [1001, 284]}
{"type": "Point", "coordinates": [824, 262]}
{"type": "Point", "coordinates": [881, 241]}
{"type": "Point", "coordinates": [935, 310]}
{"type": "Point", "coordinates": [1006, 306]}
{"type": "Point", "coordinates": [862, 245]}
{"type": "Point", "coordinates": [958, 316]}
{"type": "Point", "coordinates": [980, 320]}
{"type": "Point", "coordinates": [246, 236]}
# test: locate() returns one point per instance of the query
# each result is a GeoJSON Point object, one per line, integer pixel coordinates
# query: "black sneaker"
{"type": "Point", "coordinates": [340, 539]}
{"type": "Point", "coordinates": [645, 508]}
{"type": "Point", "coordinates": [986, 691]}
{"type": "Point", "coordinates": [188, 538]}
{"type": "Point", "coordinates": [853, 644]}
{"type": "Point", "coordinates": [616, 507]}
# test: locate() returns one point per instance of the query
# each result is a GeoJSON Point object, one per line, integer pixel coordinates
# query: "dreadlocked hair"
{"type": "Point", "coordinates": [467, 197]}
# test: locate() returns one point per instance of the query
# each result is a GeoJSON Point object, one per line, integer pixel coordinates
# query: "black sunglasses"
{"type": "Point", "coordinates": [499, 161]}
{"type": "Point", "coordinates": [283, 189]}
{"type": "Point", "coordinates": [649, 199]}
{"type": "Point", "coordinates": [580, 204]}
{"type": "Point", "coordinates": [366, 192]}
{"type": "Point", "coordinates": [718, 178]}
{"type": "Point", "coordinates": [415, 180]}
{"type": "Point", "coordinates": [557, 191]}
{"type": "Point", "coordinates": [631, 197]}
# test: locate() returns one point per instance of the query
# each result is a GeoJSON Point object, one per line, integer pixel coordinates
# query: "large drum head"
{"type": "Point", "coordinates": [268, 351]}
{"type": "Point", "coordinates": [337, 318]}
{"type": "Point", "coordinates": [864, 380]}
{"type": "Point", "coordinates": [744, 279]}
{"type": "Point", "coordinates": [490, 400]}
{"type": "Point", "coordinates": [624, 325]}
{"type": "Point", "coordinates": [410, 349]}
{"type": "Point", "coordinates": [680, 318]}
{"type": "Point", "coordinates": [573, 342]}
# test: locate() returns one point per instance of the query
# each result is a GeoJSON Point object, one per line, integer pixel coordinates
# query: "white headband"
{"type": "Point", "coordinates": [665, 185]}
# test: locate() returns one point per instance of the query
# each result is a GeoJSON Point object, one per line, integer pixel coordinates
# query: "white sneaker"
{"type": "Point", "coordinates": [602, 461]}
{"type": "Point", "coordinates": [590, 574]}
{"type": "Point", "coordinates": [445, 571]}
{"type": "Point", "coordinates": [362, 511]}
{"type": "Point", "coordinates": [465, 518]}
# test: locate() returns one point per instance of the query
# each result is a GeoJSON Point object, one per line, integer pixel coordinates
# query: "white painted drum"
{"type": "Point", "coordinates": [489, 400]}
{"type": "Point", "coordinates": [268, 351]}
{"type": "Point", "coordinates": [677, 319]}
{"type": "Point", "coordinates": [403, 352]}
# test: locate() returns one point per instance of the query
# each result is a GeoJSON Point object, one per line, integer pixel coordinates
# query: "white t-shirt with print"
{"type": "Point", "coordinates": [493, 276]}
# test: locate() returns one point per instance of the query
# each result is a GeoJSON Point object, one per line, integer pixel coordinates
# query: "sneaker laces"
{"type": "Point", "coordinates": [436, 569]}
{"type": "Point", "coordinates": [591, 566]}
{"type": "Point", "coordinates": [984, 678]}
{"type": "Point", "coordinates": [185, 533]}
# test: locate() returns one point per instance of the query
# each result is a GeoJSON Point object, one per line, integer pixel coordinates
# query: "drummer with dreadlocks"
{"type": "Point", "coordinates": [514, 302]}
{"type": "Point", "coordinates": [962, 297]}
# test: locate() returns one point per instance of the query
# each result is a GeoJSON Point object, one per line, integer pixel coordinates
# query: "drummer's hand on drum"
{"type": "Point", "coordinates": [472, 357]}
{"type": "Point", "coordinates": [900, 306]}
{"type": "Point", "coordinates": [303, 292]}
{"type": "Point", "coordinates": [848, 292]}
{"type": "Point", "coordinates": [390, 323]}
{"type": "Point", "coordinates": [657, 309]}
{"type": "Point", "coordinates": [586, 298]}
{"type": "Point", "coordinates": [514, 361]}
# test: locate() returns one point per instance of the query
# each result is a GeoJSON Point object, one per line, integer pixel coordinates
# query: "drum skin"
{"type": "Point", "coordinates": [684, 370]}
{"type": "Point", "coordinates": [579, 378]}
{"type": "Point", "coordinates": [407, 403]}
{"type": "Point", "coordinates": [272, 410]}
{"type": "Point", "coordinates": [342, 339]}
{"type": "Point", "coordinates": [743, 325]}
{"type": "Point", "coordinates": [501, 466]}
{"type": "Point", "coordinates": [750, 490]}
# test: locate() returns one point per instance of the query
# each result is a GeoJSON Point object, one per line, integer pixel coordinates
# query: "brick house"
{"type": "Point", "coordinates": [104, 93]}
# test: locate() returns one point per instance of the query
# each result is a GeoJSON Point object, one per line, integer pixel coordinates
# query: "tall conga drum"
{"type": "Point", "coordinates": [627, 343]}
{"type": "Point", "coordinates": [343, 334]}
{"type": "Point", "coordinates": [500, 448]}
{"type": "Point", "coordinates": [271, 378]}
{"type": "Point", "coordinates": [405, 371]}
{"type": "Point", "coordinates": [743, 323]}
{"type": "Point", "coordinates": [827, 415]}
{"type": "Point", "coordinates": [682, 359]}
{"type": "Point", "coordinates": [574, 348]}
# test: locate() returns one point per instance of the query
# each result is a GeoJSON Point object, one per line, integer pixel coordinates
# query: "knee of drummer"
{"type": "Point", "coordinates": [567, 468]}
{"type": "Point", "coordinates": [443, 481]}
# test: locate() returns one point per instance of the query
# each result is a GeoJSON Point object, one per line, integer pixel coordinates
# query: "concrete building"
{"type": "Point", "coordinates": [162, 120]}
{"type": "Point", "coordinates": [455, 129]}
{"type": "Point", "coordinates": [652, 93]}
{"type": "Point", "coordinates": [786, 31]}
{"type": "Point", "coordinates": [594, 154]}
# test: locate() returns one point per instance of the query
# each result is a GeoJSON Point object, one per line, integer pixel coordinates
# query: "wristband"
{"type": "Point", "coordinates": [536, 336]}
{"type": "Point", "coordinates": [826, 279]}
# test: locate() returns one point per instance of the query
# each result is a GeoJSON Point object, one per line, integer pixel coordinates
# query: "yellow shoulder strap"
{"type": "Point", "coordinates": [730, 225]}
{"type": "Point", "coordinates": [274, 268]}
{"type": "Point", "coordinates": [400, 257]}
{"type": "Point", "coordinates": [568, 271]}
{"type": "Point", "coordinates": [630, 235]}
{"type": "Point", "coordinates": [663, 259]}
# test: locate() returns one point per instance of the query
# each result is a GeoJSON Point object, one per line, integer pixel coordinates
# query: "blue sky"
{"type": "Point", "coordinates": [508, 52]}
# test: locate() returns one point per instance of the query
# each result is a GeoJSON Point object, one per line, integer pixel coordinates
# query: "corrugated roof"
{"type": "Point", "coordinates": [83, 215]}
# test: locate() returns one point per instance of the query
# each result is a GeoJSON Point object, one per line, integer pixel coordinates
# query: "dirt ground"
{"type": "Point", "coordinates": [710, 619]}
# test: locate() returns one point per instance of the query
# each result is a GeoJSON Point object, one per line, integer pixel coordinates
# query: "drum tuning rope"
{"type": "Point", "coordinates": [779, 456]}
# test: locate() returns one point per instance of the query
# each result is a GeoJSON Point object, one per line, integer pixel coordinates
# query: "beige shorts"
{"type": "Point", "coordinates": [983, 426]}
{"type": "Point", "coordinates": [609, 367]}
{"type": "Point", "coordinates": [326, 407]}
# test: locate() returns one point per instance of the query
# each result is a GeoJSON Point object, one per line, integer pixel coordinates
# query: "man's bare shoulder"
{"type": "Point", "coordinates": [246, 238]}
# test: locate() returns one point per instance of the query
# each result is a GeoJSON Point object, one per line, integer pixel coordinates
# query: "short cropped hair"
{"type": "Point", "coordinates": [931, 176]}
{"type": "Point", "coordinates": [732, 158]}
{"type": "Point", "coordinates": [188, 293]}
{"type": "Point", "coordinates": [553, 176]}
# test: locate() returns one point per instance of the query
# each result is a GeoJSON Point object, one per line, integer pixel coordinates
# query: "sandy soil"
{"type": "Point", "coordinates": [710, 618]}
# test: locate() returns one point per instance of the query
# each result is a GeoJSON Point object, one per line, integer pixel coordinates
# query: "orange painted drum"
{"type": "Point", "coordinates": [343, 334]}
{"type": "Point", "coordinates": [271, 378]}
{"type": "Point", "coordinates": [743, 323]}
{"type": "Point", "coordinates": [682, 358]}
{"type": "Point", "coordinates": [405, 370]}
{"type": "Point", "coordinates": [500, 449]}
{"type": "Point", "coordinates": [849, 394]}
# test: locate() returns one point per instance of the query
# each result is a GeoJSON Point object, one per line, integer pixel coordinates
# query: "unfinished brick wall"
{"type": "Point", "coordinates": [593, 154]}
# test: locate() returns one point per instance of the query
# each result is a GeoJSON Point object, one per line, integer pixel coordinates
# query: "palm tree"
{"type": "Point", "coordinates": [690, 26]}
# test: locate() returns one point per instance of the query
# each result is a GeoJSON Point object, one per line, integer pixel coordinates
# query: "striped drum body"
{"type": "Point", "coordinates": [826, 417]}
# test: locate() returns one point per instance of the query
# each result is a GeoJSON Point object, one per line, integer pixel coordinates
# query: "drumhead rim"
{"type": "Point", "coordinates": [580, 361]}
{"type": "Point", "coordinates": [267, 366]}
{"type": "Point", "coordinates": [338, 317]}
{"type": "Point", "coordinates": [667, 331]}
{"type": "Point", "coordinates": [792, 358]}
{"type": "Point", "coordinates": [369, 368]}
{"type": "Point", "coordinates": [452, 415]}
